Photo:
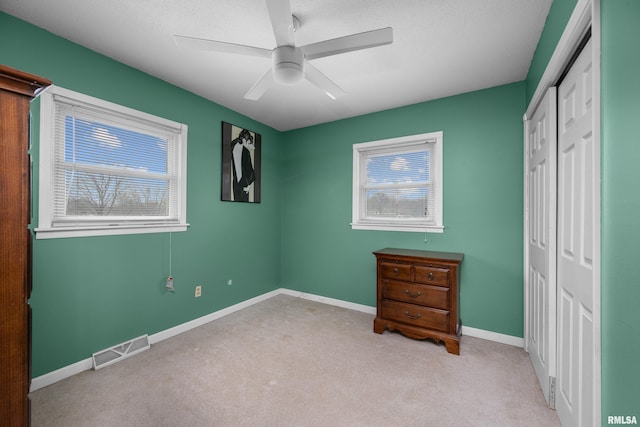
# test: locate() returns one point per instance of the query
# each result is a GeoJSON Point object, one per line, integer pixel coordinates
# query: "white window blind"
{"type": "Point", "coordinates": [105, 166]}
{"type": "Point", "coordinates": [397, 184]}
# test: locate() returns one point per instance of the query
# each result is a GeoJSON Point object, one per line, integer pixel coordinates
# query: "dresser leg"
{"type": "Point", "coordinates": [378, 326]}
{"type": "Point", "coordinates": [452, 346]}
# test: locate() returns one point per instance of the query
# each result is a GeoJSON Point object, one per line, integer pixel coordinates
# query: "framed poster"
{"type": "Point", "coordinates": [241, 150]}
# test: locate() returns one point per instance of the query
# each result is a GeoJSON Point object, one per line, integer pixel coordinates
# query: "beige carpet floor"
{"type": "Point", "coordinates": [293, 362]}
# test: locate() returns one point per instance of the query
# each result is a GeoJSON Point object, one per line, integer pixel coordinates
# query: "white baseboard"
{"type": "Point", "coordinates": [60, 374]}
{"type": "Point", "coordinates": [493, 336]}
{"type": "Point", "coordinates": [331, 301]}
{"type": "Point", "coordinates": [171, 332]}
{"type": "Point", "coordinates": [466, 330]}
{"type": "Point", "coordinates": [86, 364]}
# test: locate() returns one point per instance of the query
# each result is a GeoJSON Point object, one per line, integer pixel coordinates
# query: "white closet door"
{"type": "Point", "coordinates": [541, 270]}
{"type": "Point", "coordinates": [578, 190]}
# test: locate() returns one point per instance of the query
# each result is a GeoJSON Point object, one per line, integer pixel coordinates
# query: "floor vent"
{"type": "Point", "coordinates": [120, 352]}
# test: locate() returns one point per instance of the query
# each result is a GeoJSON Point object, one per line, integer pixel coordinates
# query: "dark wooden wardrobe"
{"type": "Point", "coordinates": [16, 90]}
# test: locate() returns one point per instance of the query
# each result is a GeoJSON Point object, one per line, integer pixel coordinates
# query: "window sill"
{"type": "Point", "coordinates": [97, 230]}
{"type": "Point", "coordinates": [399, 227]}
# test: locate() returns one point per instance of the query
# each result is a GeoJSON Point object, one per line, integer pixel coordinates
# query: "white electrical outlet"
{"type": "Point", "coordinates": [229, 282]}
{"type": "Point", "coordinates": [198, 291]}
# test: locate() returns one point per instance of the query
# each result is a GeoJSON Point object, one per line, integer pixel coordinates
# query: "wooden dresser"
{"type": "Point", "coordinates": [418, 295]}
{"type": "Point", "coordinates": [16, 90]}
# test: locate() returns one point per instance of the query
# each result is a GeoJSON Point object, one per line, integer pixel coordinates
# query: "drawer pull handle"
{"type": "Point", "coordinates": [395, 271]}
{"type": "Point", "coordinates": [412, 316]}
{"type": "Point", "coordinates": [430, 276]}
{"type": "Point", "coordinates": [416, 295]}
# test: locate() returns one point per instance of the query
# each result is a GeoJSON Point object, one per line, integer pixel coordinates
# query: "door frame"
{"type": "Point", "coordinates": [585, 17]}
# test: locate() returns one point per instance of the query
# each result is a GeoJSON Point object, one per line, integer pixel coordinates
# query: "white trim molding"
{"type": "Point", "coordinates": [61, 374]}
{"type": "Point", "coordinates": [176, 330]}
{"type": "Point", "coordinates": [576, 29]}
{"type": "Point", "coordinates": [96, 120]}
{"type": "Point", "coordinates": [330, 301]}
{"type": "Point", "coordinates": [493, 336]}
{"type": "Point", "coordinates": [431, 222]}
{"type": "Point", "coordinates": [87, 364]}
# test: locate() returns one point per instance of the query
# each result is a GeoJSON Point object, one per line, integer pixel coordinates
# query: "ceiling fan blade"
{"type": "Point", "coordinates": [261, 86]}
{"type": "Point", "coordinates": [216, 46]}
{"type": "Point", "coordinates": [348, 43]}
{"type": "Point", "coordinates": [281, 21]}
{"type": "Point", "coordinates": [314, 76]}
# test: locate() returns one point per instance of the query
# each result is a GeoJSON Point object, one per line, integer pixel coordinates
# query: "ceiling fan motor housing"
{"type": "Point", "coordinates": [288, 65]}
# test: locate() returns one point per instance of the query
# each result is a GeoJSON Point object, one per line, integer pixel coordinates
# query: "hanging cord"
{"type": "Point", "coordinates": [170, 278]}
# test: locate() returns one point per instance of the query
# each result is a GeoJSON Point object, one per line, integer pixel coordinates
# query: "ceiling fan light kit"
{"type": "Point", "coordinates": [289, 62]}
{"type": "Point", "coordinates": [288, 65]}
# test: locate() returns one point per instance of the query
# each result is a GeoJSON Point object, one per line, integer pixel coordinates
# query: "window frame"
{"type": "Point", "coordinates": [93, 226]}
{"type": "Point", "coordinates": [361, 151]}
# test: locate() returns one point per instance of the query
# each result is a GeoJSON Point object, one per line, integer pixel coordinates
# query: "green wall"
{"type": "Point", "coordinates": [620, 135]}
{"type": "Point", "coordinates": [91, 293]}
{"type": "Point", "coordinates": [483, 205]}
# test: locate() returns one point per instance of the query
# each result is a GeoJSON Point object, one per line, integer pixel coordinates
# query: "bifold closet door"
{"type": "Point", "coordinates": [541, 270]}
{"type": "Point", "coordinates": [578, 225]}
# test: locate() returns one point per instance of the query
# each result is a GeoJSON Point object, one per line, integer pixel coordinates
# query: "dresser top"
{"type": "Point", "coordinates": [449, 256]}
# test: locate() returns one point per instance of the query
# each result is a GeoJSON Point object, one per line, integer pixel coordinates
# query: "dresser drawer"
{"type": "Point", "coordinates": [415, 315]}
{"type": "Point", "coordinates": [432, 275]}
{"type": "Point", "coordinates": [432, 296]}
{"type": "Point", "coordinates": [397, 271]}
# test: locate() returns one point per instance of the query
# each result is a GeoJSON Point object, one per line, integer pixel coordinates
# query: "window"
{"type": "Point", "coordinates": [108, 169]}
{"type": "Point", "coordinates": [397, 184]}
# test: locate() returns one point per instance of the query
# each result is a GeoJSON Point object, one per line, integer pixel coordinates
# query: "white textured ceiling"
{"type": "Point", "coordinates": [440, 48]}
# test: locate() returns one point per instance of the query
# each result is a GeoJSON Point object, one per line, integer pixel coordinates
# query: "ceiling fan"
{"type": "Point", "coordinates": [290, 63]}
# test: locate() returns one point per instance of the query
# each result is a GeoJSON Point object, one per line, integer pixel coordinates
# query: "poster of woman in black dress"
{"type": "Point", "coordinates": [240, 164]}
